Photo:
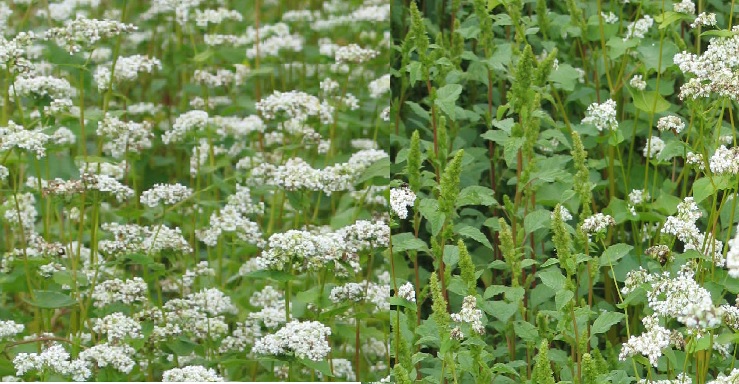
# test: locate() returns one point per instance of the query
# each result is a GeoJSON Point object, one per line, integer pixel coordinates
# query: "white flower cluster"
{"type": "Point", "coordinates": [132, 238]}
{"type": "Point", "coordinates": [87, 32]}
{"type": "Point", "coordinates": [654, 147]}
{"type": "Point", "coordinates": [221, 77]}
{"type": "Point", "coordinates": [40, 86]}
{"type": "Point", "coordinates": [639, 28]}
{"type": "Point", "coordinates": [300, 250]}
{"type": "Point", "coordinates": [54, 359]}
{"type": "Point", "coordinates": [272, 304]}
{"type": "Point", "coordinates": [9, 328]}
{"type": "Point", "coordinates": [117, 327]}
{"type": "Point", "coordinates": [469, 314]}
{"type": "Point", "coordinates": [406, 291]}
{"type": "Point", "coordinates": [167, 194]}
{"type": "Point", "coordinates": [714, 70]}
{"type": "Point", "coordinates": [638, 83]}
{"type": "Point", "coordinates": [609, 18]}
{"type": "Point", "coordinates": [400, 199]}
{"type": "Point", "coordinates": [123, 137]}
{"type": "Point", "coordinates": [650, 343]}
{"type": "Point", "coordinates": [185, 123]}
{"type": "Point", "coordinates": [191, 374]}
{"type": "Point", "coordinates": [725, 161]}
{"type": "Point", "coordinates": [670, 123]}
{"type": "Point", "coordinates": [16, 136]}
{"type": "Point", "coordinates": [116, 290]}
{"type": "Point", "coordinates": [684, 227]}
{"type": "Point", "coordinates": [707, 19]}
{"type": "Point", "coordinates": [602, 116]}
{"type": "Point", "coordinates": [295, 105]}
{"type": "Point", "coordinates": [563, 212]}
{"type": "Point", "coordinates": [297, 174]}
{"type": "Point", "coordinates": [353, 53]}
{"type": "Point", "coordinates": [376, 294]}
{"type": "Point", "coordinates": [233, 218]}
{"type": "Point", "coordinates": [126, 69]}
{"type": "Point", "coordinates": [638, 196]}
{"type": "Point", "coordinates": [305, 340]}
{"type": "Point", "coordinates": [597, 223]}
{"type": "Point", "coordinates": [215, 16]}
{"type": "Point", "coordinates": [273, 39]}
{"type": "Point", "coordinates": [119, 357]}
{"type": "Point", "coordinates": [21, 210]}
{"type": "Point", "coordinates": [685, 6]}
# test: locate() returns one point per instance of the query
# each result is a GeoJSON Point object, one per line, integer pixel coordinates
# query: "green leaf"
{"type": "Point", "coordinates": [565, 77]}
{"type": "Point", "coordinates": [475, 234]}
{"type": "Point", "coordinates": [526, 331]}
{"type": "Point", "coordinates": [667, 18]}
{"type": "Point", "coordinates": [476, 195]}
{"type": "Point", "coordinates": [429, 209]}
{"type": "Point", "coordinates": [320, 366]}
{"type": "Point", "coordinates": [380, 168]}
{"type": "Point", "coordinates": [615, 253]}
{"type": "Point", "coordinates": [562, 298]}
{"type": "Point", "coordinates": [51, 300]}
{"type": "Point", "coordinates": [605, 321]}
{"type": "Point", "coordinates": [446, 98]}
{"type": "Point", "coordinates": [649, 51]}
{"type": "Point", "coordinates": [500, 310]}
{"type": "Point", "coordinates": [705, 187]}
{"type": "Point", "coordinates": [553, 278]}
{"type": "Point", "coordinates": [536, 220]}
{"type": "Point", "coordinates": [407, 242]}
{"type": "Point", "coordinates": [646, 100]}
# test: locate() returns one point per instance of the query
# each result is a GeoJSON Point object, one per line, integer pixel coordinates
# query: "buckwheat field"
{"type": "Point", "coordinates": [564, 191]}
{"type": "Point", "coordinates": [194, 190]}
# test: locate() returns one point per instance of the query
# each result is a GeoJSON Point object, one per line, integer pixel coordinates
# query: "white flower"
{"type": "Point", "coordinates": [10, 328]}
{"type": "Point", "coordinates": [400, 198]}
{"type": "Point", "coordinates": [470, 315]}
{"type": "Point", "coordinates": [707, 19]}
{"type": "Point", "coordinates": [638, 83]}
{"type": "Point", "coordinates": [732, 256]}
{"type": "Point", "coordinates": [685, 6]}
{"type": "Point", "coordinates": [167, 194]}
{"type": "Point", "coordinates": [725, 161]}
{"type": "Point", "coordinates": [189, 374]}
{"type": "Point", "coordinates": [305, 340]}
{"type": "Point", "coordinates": [671, 122]}
{"type": "Point", "coordinates": [602, 116]}
{"type": "Point", "coordinates": [654, 147]}
{"type": "Point", "coordinates": [87, 32]}
{"type": "Point", "coordinates": [407, 292]}
{"type": "Point", "coordinates": [639, 28]}
{"type": "Point", "coordinates": [597, 223]}
{"type": "Point", "coordinates": [650, 343]}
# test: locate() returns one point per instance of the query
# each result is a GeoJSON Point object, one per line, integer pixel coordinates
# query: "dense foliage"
{"type": "Point", "coordinates": [564, 191]}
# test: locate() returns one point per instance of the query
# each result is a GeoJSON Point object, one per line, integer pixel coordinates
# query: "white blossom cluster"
{"type": "Point", "coordinates": [649, 344]}
{"type": "Point", "coordinates": [377, 294]}
{"type": "Point", "coordinates": [602, 116]}
{"type": "Point", "coordinates": [40, 86]}
{"type": "Point", "coordinates": [215, 16]}
{"type": "Point", "coordinates": [295, 105]}
{"type": "Point", "coordinates": [638, 83]}
{"type": "Point", "coordinates": [725, 161]}
{"type": "Point", "coordinates": [685, 6]}
{"type": "Point", "coordinates": [638, 29]}
{"type": "Point", "coordinates": [684, 227]}
{"type": "Point", "coordinates": [117, 327]}
{"type": "Point", "coordinates": [732, 256]}
{"type": "Point", "coordinates": [117, 290]}
{"type": "Point", "coordinates": [400, 199]}
{"type": "Point", "coordinates": [714, 71]}
{"type": "Point", "coordinates": [54, 359]}
{"type": "Point", "coordinates": [353, 53]}
{"type": "Point", "coordinates": [704, 19]}
{"type": "Point", "coordinates": [86, 32]}
{"type": "Point", "coordinates": [273, 39]}
{"type": "Point", "coordinates": [305, 340]}
{"type": "Point", "coordinates": [124, 137]}
{"type": "Point", "coordinates": [654, 147]}
{"type": "Point", "coordinates": [670, 123]}
{"type": "Point", "coordinates": [126, 69]}
{"type": "Point", "coordinates": [16, 136]}
{"type": "Point", "coordinates": [597, 223]}
{"type": "Point", "coordinates": [185, 123]}
{"type": "Point", "coordinates": [189, 374]}
{"type": "Point", "coordinates": [406, 291]}
{"type": "Point", "coordinates": [167, 194]}
{"type": "Point", "coordinates": [9, 328]}
{"type": "Point", "coordinates": [469, 314]}
{"type": "Point", "coordinates": [300, 250]}
{"type": "Point", "coordinates": [233, 219]}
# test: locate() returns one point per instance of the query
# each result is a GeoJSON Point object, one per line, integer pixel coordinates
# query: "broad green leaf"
{"type": "Point", "coordinates": [649, 101]}
{"type": "Point", "coordinates": [446, 98]}
{"type": "Point", "coordinates": [562, 298]}
{"type": "Point", "coordinates": [429, 209]}
{"type": "Point", "coordinates": [475, 234]}
{"type": "Point", "coordinates": [407, 242]}
{"type": "Point", "coordinates": [553, 278]}
{"type": "Point", "coordinates": [605, 321]}
{"type": "Point", "coordinates": [51, 300]}
{"type": "Point", "coordinates": [476, 195]}
{"type": "Point", "coordinates": [614, 253]}
{"type": "Point", "coordinates": [536, 220]}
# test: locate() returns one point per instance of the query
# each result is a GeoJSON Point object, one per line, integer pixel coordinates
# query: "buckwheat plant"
{"type": "Point", "coordinates": [195, 190]}
{"type": "Point", "coordinates": [563, 201]}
